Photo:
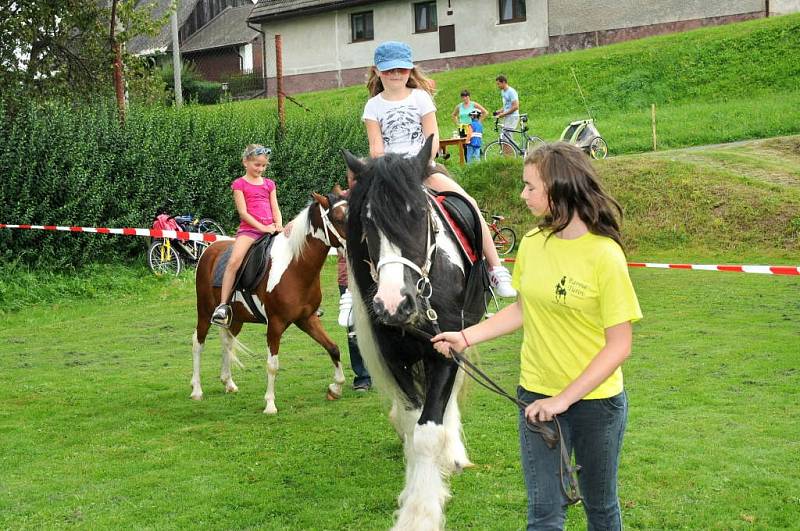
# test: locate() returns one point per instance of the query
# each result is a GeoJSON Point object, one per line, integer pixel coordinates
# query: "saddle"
{"type": "Point", "coordinates": [461, 219]}
{"type": "Point", "coordinates": [252, 271]}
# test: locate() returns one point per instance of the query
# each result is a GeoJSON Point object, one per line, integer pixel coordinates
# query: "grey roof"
{"type": "Point", "coordinates": [268, 10]}
{"type": "Point", "coordinates": [229, 28]}
{"type": "Point", "coordinates": [144, 45]}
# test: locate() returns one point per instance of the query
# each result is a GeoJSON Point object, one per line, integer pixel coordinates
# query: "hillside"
{"type": "Point", "coordinates": [729, 202]}
{"type": "Point", "coordinates": [709, 85]}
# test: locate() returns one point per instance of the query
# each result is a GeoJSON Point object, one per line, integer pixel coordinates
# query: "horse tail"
{"type": "Point", "coordinates": [237, 347]}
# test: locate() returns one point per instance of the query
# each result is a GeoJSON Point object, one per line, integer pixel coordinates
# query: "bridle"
{"type": "Point", "coordinates": [327, 225]}
{"type": "Point", "coordinates": [568, 473]}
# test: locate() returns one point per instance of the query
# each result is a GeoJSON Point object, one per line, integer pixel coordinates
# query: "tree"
{"type": "Point", "coordinates": [50, 48]}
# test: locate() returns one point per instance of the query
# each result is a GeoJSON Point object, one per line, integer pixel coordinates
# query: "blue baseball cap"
{"type": "Point", "coordinates": [393, 54]}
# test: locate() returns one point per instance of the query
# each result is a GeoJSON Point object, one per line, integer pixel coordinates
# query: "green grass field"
{"type": "Point", "coordinates": [715, 84]}
{"type": "Point", "coordinates": [98, 430]}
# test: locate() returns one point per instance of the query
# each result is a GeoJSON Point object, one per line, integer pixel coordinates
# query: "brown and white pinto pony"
{"type": "Point", "coordinates": [404, 266]}
{"type": "Point", "coordinates": [290, 293]}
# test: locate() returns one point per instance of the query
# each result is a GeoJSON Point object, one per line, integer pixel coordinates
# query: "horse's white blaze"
{"type": "Point", "coordinates": [227, 353]}
{"type": "Point", "coordinates": [381, 377]}
{"type": "Point", "coordinates": [423, 498]}
{"type": "Point", "coordinates": [280, 257]}
{"type": "Point", "coordinates": [272, 373]}
{"type": "Point", "coordinates": [390, 277]}
{"type": "Point", "coordinates": [197, 350]}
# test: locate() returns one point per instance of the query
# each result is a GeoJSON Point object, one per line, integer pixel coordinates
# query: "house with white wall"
{"type": "Point", "coordinates": [329, 43]}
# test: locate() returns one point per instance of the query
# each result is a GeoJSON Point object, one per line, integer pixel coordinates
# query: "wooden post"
{"type": "Point", "coordinates": [176, 58]}
{"type": "Point", "coordinates": [279, 80]}
{"type": "Point", "coordinates": [119, 85]}
{"type": "Point", "coordinates": [653, 118]}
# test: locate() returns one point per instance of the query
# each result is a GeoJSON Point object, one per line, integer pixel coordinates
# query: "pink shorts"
{"type": "Point", "coordinates": [250, 233]}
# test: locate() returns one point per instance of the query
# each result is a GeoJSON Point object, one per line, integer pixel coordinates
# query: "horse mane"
{"type": "Point", "coordinates": [383, 182]}
{"type": "Point", "coordinates": [301, 226]}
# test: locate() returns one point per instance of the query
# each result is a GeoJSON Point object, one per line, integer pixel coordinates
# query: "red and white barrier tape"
{"type": "Point", "coordinates": [153, 233]}
{"type": "Point", "coordinates": [762, 269]}
{"type": "Point", "coordinates": [209, 237]}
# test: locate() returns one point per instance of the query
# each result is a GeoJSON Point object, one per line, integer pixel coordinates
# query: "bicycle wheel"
{"type": "Point", "coordinates": [194, 250]}
{"type": "Point", "coordinates": [209, 225]}
{"type": "Point", "coordinates": [504, 240]}
{"type": "Point", "coordinates": [534, 143]}
{"type": "Point", "coordinates": [499, 150]}
{"type": "Point", "coordinates": [163, 259]}
{"type": "Point", "coordinates": [598, 149]}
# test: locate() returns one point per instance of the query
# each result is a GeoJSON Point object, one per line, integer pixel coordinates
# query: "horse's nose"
{"type": "Point", "coordinates": [401, 314]}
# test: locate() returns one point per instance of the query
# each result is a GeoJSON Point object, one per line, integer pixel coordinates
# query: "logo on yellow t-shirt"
{"type": "Point", "coordinates": [561, 290]}
{"type": "Point", "coordinates": [570, 286]}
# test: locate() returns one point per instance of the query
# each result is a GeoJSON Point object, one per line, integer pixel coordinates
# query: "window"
{"type": "Point", "coordinates": [425, 17]}
{"type": "Point", "coordinates": [361, 25]}
{"type": "Point", "coordinates": [512, 11]}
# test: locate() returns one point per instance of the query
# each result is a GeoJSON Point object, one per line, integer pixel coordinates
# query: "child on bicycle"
{"type": "Point", "coordinates": [399, 116]}
{"type": "Point", "coordinates": [476, 137]}
{"type": "Point", "coordinates": [256, 202]}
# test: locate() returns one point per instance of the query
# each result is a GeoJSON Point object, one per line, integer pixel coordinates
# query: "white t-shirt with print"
{"type": "Point", "coordinates": [400, 121]}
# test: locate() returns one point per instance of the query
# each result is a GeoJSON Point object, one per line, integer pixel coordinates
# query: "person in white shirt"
{"type": "Point", "coordinates": [399, 116]}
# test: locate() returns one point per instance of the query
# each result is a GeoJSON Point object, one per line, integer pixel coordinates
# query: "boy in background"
{"type": "Point", "coordinates": [476, 137]}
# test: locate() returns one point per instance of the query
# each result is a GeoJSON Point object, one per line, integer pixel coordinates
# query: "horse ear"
{"type": "Point", "coordinates": [321, 199]}
{"type": "Point", "coordinates": [353, 162]}
{"type": "Point", "coordinates": [424, 155]}
{"type": "Point", "coordinates": [337, 190]}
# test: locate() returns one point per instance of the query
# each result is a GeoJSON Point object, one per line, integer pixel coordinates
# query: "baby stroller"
{"type": "Point", "coordinates": [585, 135]}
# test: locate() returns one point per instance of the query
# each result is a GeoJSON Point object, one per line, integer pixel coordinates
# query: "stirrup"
{"type": "Point", "coordinates": [223, 320]}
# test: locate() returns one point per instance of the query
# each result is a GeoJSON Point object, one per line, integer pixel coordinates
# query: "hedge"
{"type": "Point", "coordinates": [76, 165]}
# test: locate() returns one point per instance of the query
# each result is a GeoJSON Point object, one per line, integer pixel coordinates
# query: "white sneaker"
{"type": "Point", "coordinates": [345, 309]}
{"type": "Point", "coordinates": [500, 279]}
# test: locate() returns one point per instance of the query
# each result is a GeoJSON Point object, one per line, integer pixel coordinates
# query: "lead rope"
{"type": "Point", "coordinates": [568, 474]}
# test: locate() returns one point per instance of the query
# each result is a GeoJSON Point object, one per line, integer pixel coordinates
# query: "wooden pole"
{"type": "Point", "coordinates": [176, 57]}
{"type": "Point", "coordinates": [119, 85]}
{"type": "Point", "coordinates": [279, 80]}
{"type": "Point", "coordinates": [653, 119]}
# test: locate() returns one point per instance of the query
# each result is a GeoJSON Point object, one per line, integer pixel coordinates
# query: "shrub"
{"type": "Point", "coordinates": [75, 165]}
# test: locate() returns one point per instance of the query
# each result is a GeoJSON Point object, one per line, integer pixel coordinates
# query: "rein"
{"type": "Point", "coordinates": [568, 474]}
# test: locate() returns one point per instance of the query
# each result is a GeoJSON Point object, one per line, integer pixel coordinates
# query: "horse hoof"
{"type": "Point", "coordinates": [330, 395]}
{"type": "Point", "coordinates": [270, 410]}
{"type": "Point", "coordinates": [460, 467]}
{"type": "Point", "coordinates": [196, 396]}
{"type": "Point", "coordinates": [231, 388]}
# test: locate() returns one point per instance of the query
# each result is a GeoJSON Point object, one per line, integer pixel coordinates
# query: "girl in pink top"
{"type": "Point", "coordinates": [257, 204]}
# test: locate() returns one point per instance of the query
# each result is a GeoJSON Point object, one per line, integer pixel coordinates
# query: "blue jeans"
{"type": "Point", "coordinates": [356, 361]}
{"type": "Point", "coordinates": [593, 429]}
{"type": "Point", "coordinates": [473, 153]}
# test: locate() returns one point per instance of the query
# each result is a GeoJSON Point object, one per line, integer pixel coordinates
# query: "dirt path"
{"type": "Point", "coordinates": [773, 160]}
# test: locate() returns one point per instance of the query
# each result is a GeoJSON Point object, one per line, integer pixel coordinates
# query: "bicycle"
{"type": "Point", "coordinates": [506, 146]}
{"type": "Point", "coordinates": [504, 237]}
{"type": "Point", "coordinates": [167, 255]}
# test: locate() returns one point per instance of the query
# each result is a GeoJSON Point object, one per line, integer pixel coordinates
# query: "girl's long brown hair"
{"type": "Point", "coordinates": [573, 187]}
{"type": "Point", "coordinates": [417, 79]}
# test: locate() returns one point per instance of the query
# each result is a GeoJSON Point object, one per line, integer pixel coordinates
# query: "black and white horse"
{"type": "Point", "coordinates": [407, 274]}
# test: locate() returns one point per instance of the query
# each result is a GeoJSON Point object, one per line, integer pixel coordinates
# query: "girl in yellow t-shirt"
{"type": "Point", "coordinates": [576, 304]}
